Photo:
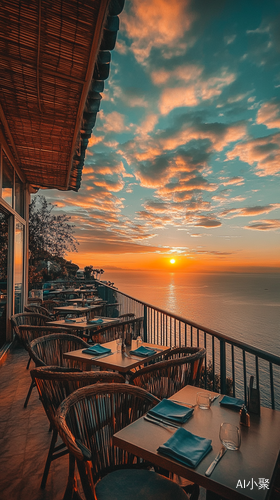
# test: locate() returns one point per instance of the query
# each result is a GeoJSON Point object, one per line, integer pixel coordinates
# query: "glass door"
{"type": "Point", "coordinates": [4, 242]}
{"type": "Point", "coordinates": [19, 239]}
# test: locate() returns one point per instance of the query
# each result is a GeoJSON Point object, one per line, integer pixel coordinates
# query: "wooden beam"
{"type": "Point", "coordinates": [8, 132]}
{"type": "Point", "coordinates": [91, 63]}
{"type": "Point", "coordinates": [10, 157]}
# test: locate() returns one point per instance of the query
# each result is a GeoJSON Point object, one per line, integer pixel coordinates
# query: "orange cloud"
{"type": "Point", "coordinates": [250, 211]}
{"type": "Point", "coordinates": [112, 122]}
{"type": "Point", "coordinates": [199, 90]}
{"type": "Point", "coordinates": [156, 23]}
{"type": "Point", "coordinates": [269, 114]}
{"type": "Point", "coordinates": [264, 225]}
{"type": "Point", "coordinates": [264, 151]}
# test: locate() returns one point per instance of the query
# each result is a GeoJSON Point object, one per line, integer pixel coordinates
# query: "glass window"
{"type": "Point", "coordinates": [18, 266]}
{"type": "Point", "coordinates": [7, 182]}
{"type": "Point", "coordinates": [19, 196]}
{"type": "Point", "coordinates": [3, 274]}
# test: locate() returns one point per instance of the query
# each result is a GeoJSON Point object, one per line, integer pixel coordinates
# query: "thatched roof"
{"type": "Point", "coordinates": [54, 57]}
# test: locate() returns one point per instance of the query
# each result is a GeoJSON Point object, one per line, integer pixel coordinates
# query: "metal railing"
{"type": "Point", "coordinates": [229, 362]}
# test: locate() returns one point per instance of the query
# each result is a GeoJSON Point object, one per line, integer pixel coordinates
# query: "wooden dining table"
{"type": "Point", "coordinates": [240, 475]}
{"type": "Point", "coordinates": [81, 323]}
{"type": "Point", "coordinates": [117, 361]}
{"type": "Point", "coordinates": [78, 310]}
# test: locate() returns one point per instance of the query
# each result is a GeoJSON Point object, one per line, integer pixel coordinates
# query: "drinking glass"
{"type": "Point", "coordinates": [119, 345]}
{"type": "Point", "coordinates": [203, 400]}
{"type": "Point", "coordinates": [230, 436]}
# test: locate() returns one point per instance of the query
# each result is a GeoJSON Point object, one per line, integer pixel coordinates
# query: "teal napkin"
{"type": "Point", "coordinates": [95, 321]}
{"type": "Point", "coordinates": [143, 351]}
{"type": "Point", "coordinates": [233, 403]}
{"type": "Point", "coordinates": [70, 320]}
{"type": "Point", "coordinates": [172, 412]}
{"type": "Point", "coordinates": [96, 350]}
{"type": "Point", "coordinates": [186, 448]}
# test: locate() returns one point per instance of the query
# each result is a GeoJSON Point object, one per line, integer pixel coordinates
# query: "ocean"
{"type": "Point", "coordinates": [245, 307]}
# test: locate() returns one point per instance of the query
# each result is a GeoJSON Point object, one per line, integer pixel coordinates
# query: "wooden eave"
{"type": "Point", "coordinates": [54, 57]}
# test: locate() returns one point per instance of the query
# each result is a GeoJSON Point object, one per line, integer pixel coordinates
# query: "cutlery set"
{"type": "Point", "coordinates": [171, 426]}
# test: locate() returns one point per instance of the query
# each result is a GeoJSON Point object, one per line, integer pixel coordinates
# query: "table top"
{"type": "Point", "coordinates": [117, 360]}
{"type": "Point", "coordinates": [238, 473]}
{"type": "Point", "coordinates": [76, 309]}
{"type": "Point", "coordinates": [81, 323]}
{"type": "Point", "coordinates": [89, 301]}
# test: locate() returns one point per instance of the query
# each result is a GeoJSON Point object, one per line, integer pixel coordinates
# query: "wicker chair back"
{"type": "Point", "coordinates": [27, 333]}
{"type": "Point", "coordinates": [28, 318]}
{"type": "Point", "coordinates": [50, 304]}
{"type": "Point", "coordinates": [48, 350]}
{"type": "Point", "coordinates": [54, 384]}
{"type": "Point", "coordinates": [91, 415]}
{"type": "Point", "coordinates": [32, 308]}
{"type": "Point", "coordinates": [166, 377]}
{"type": "Point", "coordinates": [126, 330]}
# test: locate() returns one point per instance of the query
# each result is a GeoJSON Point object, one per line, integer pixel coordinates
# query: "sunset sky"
{"type": "Point", "coordinates": [184, 160]}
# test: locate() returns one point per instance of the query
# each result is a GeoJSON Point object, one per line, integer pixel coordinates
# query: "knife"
{"type": "Point", "coordinates": [102, 355]}
{"type": "Point", "coordinates": [215, 461]}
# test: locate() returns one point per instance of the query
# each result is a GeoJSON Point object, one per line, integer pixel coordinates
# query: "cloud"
{"type": "Point", "coordinates": [264, 225]}
{"type": "Point", "coordinates": [191, 95]}
{"type": "Point", "coordinates": [237, 181]}
{"type": "Point", "coordinates": [250, 211]}
{"type": "Point", "coordinates": [269, 114]}
{"type": "Point", "coordinates": [112, 122]}
{"type": "Point", "coordinates": [208, 222]}
{"type": "Point", "coordinates": [147, 125]}
{"type": "Point", "coordinates": [219, 134]}
{"type": "Point", "coordinates": [229, 39]}
{"type": "Point", "coordinates": [156, 24]}
{"type": "Point", "coordinates": [264, 152]}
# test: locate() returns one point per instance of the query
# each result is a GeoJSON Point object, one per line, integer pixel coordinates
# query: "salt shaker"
{"type": "Point", "coordinates": [139, 341]}
{"type": "Point", "coordinates": [244, 417]}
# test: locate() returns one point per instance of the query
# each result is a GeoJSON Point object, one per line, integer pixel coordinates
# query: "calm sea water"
{"type": "Point", "coordinates": [243, 306]}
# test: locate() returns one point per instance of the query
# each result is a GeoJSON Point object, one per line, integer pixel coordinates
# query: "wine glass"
{"type": "Point", "coordinates": [230, 436]}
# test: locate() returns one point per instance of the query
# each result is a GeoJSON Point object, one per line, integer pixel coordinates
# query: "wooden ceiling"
{"type": "Point", "coordinates": [54, 57]}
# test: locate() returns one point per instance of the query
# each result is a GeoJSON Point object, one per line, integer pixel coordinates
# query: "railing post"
{"type": "Point", "coordinates": [223, 366]}
{"type": "Point", "coordinates": [145, 326]}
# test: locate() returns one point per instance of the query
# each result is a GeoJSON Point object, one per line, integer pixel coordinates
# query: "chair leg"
{"type": "Point", "coordinates": [28, 364]}
{"type": "Point", "coordinates": [29, 394]}
{"type": "Point", "coordinates": [49, 459]}
{"type": "Point", "coordinates": [71, 492]}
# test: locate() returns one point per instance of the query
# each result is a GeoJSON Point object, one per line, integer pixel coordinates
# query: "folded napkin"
{"type": "Point", "coordinates": [143, 351]}
{"type": "Point", "coordinates": [233, 403]}
{"type": "Point", "coordinates": [70, 320]}
{"type": "Point", "coordinates": [96, 350]}
{"type": "Point", "coordinates": [186, 448]}
{"type": "Point", "coordinates": [94, 321]}
{"type": "Point", "coordinates": [170, 411]}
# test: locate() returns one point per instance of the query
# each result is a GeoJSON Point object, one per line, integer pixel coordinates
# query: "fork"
{"type": "Point", "coordinates": [160, 423]}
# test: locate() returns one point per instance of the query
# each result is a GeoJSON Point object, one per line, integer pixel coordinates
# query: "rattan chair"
{"type": "Point", "coordinates": [87, 420]}
{"type": "Point", "coordinates": [32, 308]}
{"type": "Point", "coordinates": [27, 333]}
{"type": "Point", "coordinates": [166, 377]}
{"type": "Point", "coordinates": [126, 330]}
{"type": "Point", "coordinates": [28, 318]}
{"type": "Point", "coordinates": [50, 304]}
{"type": "Point", "coordinates": [48, 351]}
{"type": "Point", "coordinates": [126, 316]}
{"type": "Point", "coordinates": [34, 300]}
{"type": "Point", "coordinates": [54, 384]}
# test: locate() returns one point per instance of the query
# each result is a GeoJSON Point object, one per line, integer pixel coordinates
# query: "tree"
{"type": "Point", "coordinates": [48, 234]}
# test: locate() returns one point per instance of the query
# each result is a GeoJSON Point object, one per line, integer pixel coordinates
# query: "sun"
{"type": "Point", "coordinates": [172, 261]}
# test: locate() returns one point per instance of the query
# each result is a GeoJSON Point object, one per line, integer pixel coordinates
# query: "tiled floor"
{"type": "Point", "coordinates": [25, 438]}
